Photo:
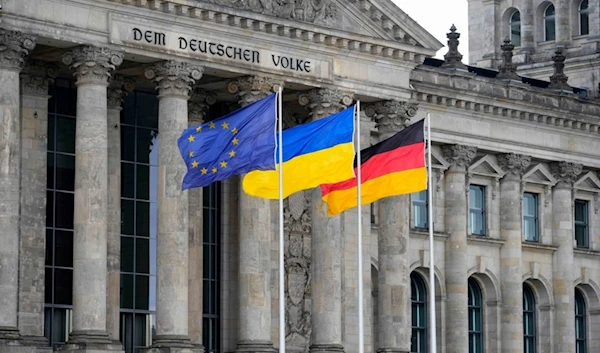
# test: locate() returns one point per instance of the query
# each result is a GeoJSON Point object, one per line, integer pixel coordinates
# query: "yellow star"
{"type": "Point", "coordinates": [225, 125]}
{"type": "Point", "coordinates": [214, 169]}
{"type": "Point", "coordinates": [223, 164]}
{"type": "Point", "coordinates": [191, 154]}
{"type": "Point", "coordinates": [235, 141]}
{"type": "Point", "coordinates": [232, 154]}
{"type": "Point", "coordinates": [234, 130]}
{"type": "Point", "coordinates": [194, 164]}
{"type": "Point", "coordinates": [199, 128]}
{"type": "Point", "coordinates": [211, 125]}
{"type": "Point", "coordinates": [204, 170]}
{"type": "Point", "coordinates": [191, 138]}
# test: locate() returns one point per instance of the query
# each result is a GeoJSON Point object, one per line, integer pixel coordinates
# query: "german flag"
{"type": "Point", "coordinates": [392, 167]}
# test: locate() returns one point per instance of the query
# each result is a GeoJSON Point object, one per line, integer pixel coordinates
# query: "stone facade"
{"type": "Point", "coordinates": [512, 135]}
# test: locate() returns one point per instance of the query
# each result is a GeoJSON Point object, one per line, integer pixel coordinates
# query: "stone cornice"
{"type": "Point", "coordinates": [289, 29]}
{"type": "Point", "coordinates": [507, 100]}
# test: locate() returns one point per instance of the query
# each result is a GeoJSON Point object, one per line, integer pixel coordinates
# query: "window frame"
{"type": "Point", "coordinates": [581, 318]}
{"type": "Point", "coordinates": [418, 286]}
{"type": "Point", "coordinates": [480, 212]}
{"type": "Point", "coordinates": [535, 217]}
{"type": "Point", "coordinates": [512, 24]}
{"type": "Point", "coordinates": [420, 203]}
{"type": "Point", "coordinates": [583, 12]}
{"type": "Point", "coordinates": [475, 307]}
{"type": "Point", "coordinates": [545, 19]}
{"type": "Point", "coordinates": [529, 309]}
{"type": "Point", "coordinates": [585, 223]}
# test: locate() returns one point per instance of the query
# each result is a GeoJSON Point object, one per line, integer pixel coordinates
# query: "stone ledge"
{"type": "Point", "coordinates": [484, 240]}
{"type": "Point", "coordinates": [539, 247]}
{"type": "Point", "coordinates": [586, 252]}
{"type": "Point", "coordinates": [420, 233]}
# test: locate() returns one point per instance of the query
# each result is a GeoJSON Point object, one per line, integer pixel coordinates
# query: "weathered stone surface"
{"type": "Point", "coordinates": [324, 102]}
{"type": "Point", "coordinates": [250, 89]}
{"type": "Point", "coordinates": [92, 64]}
{"type": "Point", "coordinates": [14, 47]}
{"type": "Point", "coordinates": [390, 116]}
{"type": "Point", "coordinates": [174, 78]}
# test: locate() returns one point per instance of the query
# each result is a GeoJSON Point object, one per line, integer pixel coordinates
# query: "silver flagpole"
{"type": "Point", "coordinates": [281, 263]}
{"type": "Point", "coordinates": [361, 328]}
{"type": "Point", "coordinates": [431, 247]}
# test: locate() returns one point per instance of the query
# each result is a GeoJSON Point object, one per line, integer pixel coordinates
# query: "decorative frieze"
{"type": "Point", "coordinates": [323, 102]}
{"type": "Point", "coordinates": [513, 164]}
{"type": "Point", "coordinates": [14, 47]}
{"type": "Point", "coordinates": [459, 156]}
{"type": "Point", "coordinates": [391, 116]}
{"type": "Point", "coordinates": [92, 64]}
{"type": "Point", "coordinates": [565, 173]}
{"type": "Point", "coordinates": [174, 78]}
{"type": "Point", "coordinates": [36, 76]}
{"type": "Point", "coordinates": [250, 89]}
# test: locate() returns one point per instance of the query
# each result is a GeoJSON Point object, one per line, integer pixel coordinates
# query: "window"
{"type": "Point", "coordinates": [477, 209]}
{"type": "Point", "coordinates": [139, 213]}
{"type": "Point", "coordinates": [419, 314]}
{"type": "Point", "coordinates": [515, 28]}
{"type": "Point", "coordinates": [584, 18]}
{"type": "Point", "coordinates": [581, 224]}
{"type": "Point", "coordinates": [60, 188]}
{"type": "Point", "coordinates": [211, 269]}
{"type": "Point", "coordinates": [475, 318]}
{"type": "Point", "coordinates": [530, 217]}
{"type": "Point", "coordinates": [529, 325]}
{"type": "Point", "coordinates": [549, 23]}
{"type": "Point", "coordinates": [580, 323]}
{"type": "Point", "coordinates": [420, 204]}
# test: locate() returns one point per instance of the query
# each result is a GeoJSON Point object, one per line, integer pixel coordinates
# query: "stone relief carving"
{"type": "Point", "coordinates": [297, 228]}
{"type": "Point", "coordinates": [459, 156]}
{"type": "Point", "coordinates": [513, 164]}
{"type": "Point", "coordinates": [92, 64]}
{"type": "Point", "coordinates": [312, 11]}
{"type": "Point", "coordinates": [565, 173]}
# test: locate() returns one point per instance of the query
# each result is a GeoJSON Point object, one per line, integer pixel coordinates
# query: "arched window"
{"type": "Point", "coordinates": [515, 28]}
{"type": "Point", "coordinates": [549, 23]}
{"type": "Point", "coordinates": [475, 318]}
{"type": "Point", "coordinates": [529, 326]}
{"type": "Point", "coordinates": [580, 323]}
{"type": "Point", "coordinates": [584, 18]}
{"type": "Point", "coordinates": [419, 314]}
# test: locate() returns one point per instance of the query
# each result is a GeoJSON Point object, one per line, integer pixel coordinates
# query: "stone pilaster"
{"type": "Point", "coordinates": [35, 78]}
{"type": "Point", "coordinates": [117, 89]}
{"type": "Point", "coordinates": [394, 317]}
{"type": "Point", "coordinates": [92, 66]}
{"type": "Point", "coordinates": [174, 82]}
{"type": "Point", "coordinates": [562, 274]}
{"type": "Point", "coordinates": [456, 204]}
{"type": "Point", "coordinates": [255, 241]}
{"type": "Point", "coordinates": [527, 28]}
{"type": "Point", "coordinates": [326, 243]}
{"type": "Point", "coordinates": [511, 228]}
{"type": "Point", "coordinates": [563, 22]}
{"type": "Point", "coordinates": [197, 106]}
{"type": "Point", "coordinates": [14, 47]}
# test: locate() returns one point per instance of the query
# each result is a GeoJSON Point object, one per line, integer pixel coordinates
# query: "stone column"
{"type": "Point", "coordinates": [197, 106]}
{"type": "Point", "coordinates": [255, 242]}
{"type": "Point", "coordinates": [117, 90]}
{"type": "Point", "coordinates": [92, 67]}
{"type": "Point", "coordinates": [394, 317]}
{"type": "Point", "coordinates": [527, 28]}
{"type": "Point", "coordinates": [456, 215]}
{"type": "Point", "coordinates": [326, 243]}
{"type": "Point", "coordinates": [511, 230]}
{"type": "Point", "coordinates": [14, 47]}
{"type": "Point", "coordinates": [174, 81]}
{"type": "Point", "coordinates": [563, 24]}
{"type": "Point", "coordinates": [562, 235]}
{"type": "Point", "coordinates": [35, 78]}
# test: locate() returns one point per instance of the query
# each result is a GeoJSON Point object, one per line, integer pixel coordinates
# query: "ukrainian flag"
{"type": "Point", "coordinates": [316, 153]}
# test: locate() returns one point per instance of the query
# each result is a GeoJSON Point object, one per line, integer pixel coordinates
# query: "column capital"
{"type": "Point", "coordinates": [391, 116]}
{"type": "Point", "coordinates": [118, 87]}
{"type": "Point", "coordinates": [325, 101]}
{"type": "Point", "coordinates": [199, 101]}
{"type": "Point", "coordinates": [250, 89]}
{"type": "Point", "coordinates": [565, 173]}
{"type": "Point", "coordinates": [14, 46]}
{"type": "Point", "coordinates": [174, 78]}
{"type": "Point", "coordinates": [513, 164]}
{"type": "Point", "coordinates": [92, 64]}
{"type": "Point", "coordinates": [36, 76]}
{"type": "Point", "coordinates": [459, 156]}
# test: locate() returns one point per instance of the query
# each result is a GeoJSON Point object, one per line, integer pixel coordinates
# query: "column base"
{"type": "Point", "coordinates": [391, 350]}
{"type": "Point", "coordinates": [11, 342]}
{"type": "Point", "coordinates": [255, 347]}
{"type": "Point", "coordinates": [90, 342]}
{"type": "Point", "coordinates": [40, 343]}
{"type": "Point", "coordinates": [173, 344]}
{"type": "Point", "coordinates": [326, 348]}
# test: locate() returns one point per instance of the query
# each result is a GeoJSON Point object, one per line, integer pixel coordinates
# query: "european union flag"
{"type": "Point", "coordinates": [234, 144]}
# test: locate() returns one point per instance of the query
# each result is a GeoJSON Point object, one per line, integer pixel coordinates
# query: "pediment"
{"type": "Point", "coordinates": [486, 166]}
{"type": "Point", "coordinates": [588, 182]}
{"type": "Point", "coordinates": [539, 174]}
{"type": "Point", "coordinates": [437, 159]}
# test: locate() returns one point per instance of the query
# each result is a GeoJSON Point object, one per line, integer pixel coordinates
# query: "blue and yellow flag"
{"type": "Point", "coordinates": [234, 144]}
{"type": "Point", "coordinates": [316, 153]}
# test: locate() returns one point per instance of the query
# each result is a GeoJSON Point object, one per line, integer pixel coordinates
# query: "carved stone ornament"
{"type": "Point", "coordinates": [250, 89]}
{"type": "Point", "coordinates": [565, 173]}
{"type": "Point", "coordinates": [297, 229]}
{"type": "Point", "coordinates": [559, 80]}
{"type": "Point", "coordinates": [14, 46]}
{"type": "Point", "coordinates": [323, 102]}
{"type": "Point", "coordinates": [312, 11]}
{"type": "Point", "coordinates": [507, 70]}
{"type": "Point", "coordinates": [459, 156]}
{"type": "Point", "coordinates": [453, 59]}
{"type": "Point", "coordinates": [118, 88]}
{"type": "Point", "coordinates": [391, 116]}
{"type": "Point", "coordinates": [513, 164]}
{"type": "Point", "coordinates": [199, 102]}
{"type": "Point", "coordinates": [174, 78]}
{"type": "Point", "coordinates": [92, 64]}
{"type": "Point", "coordinates": [36, 76]}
